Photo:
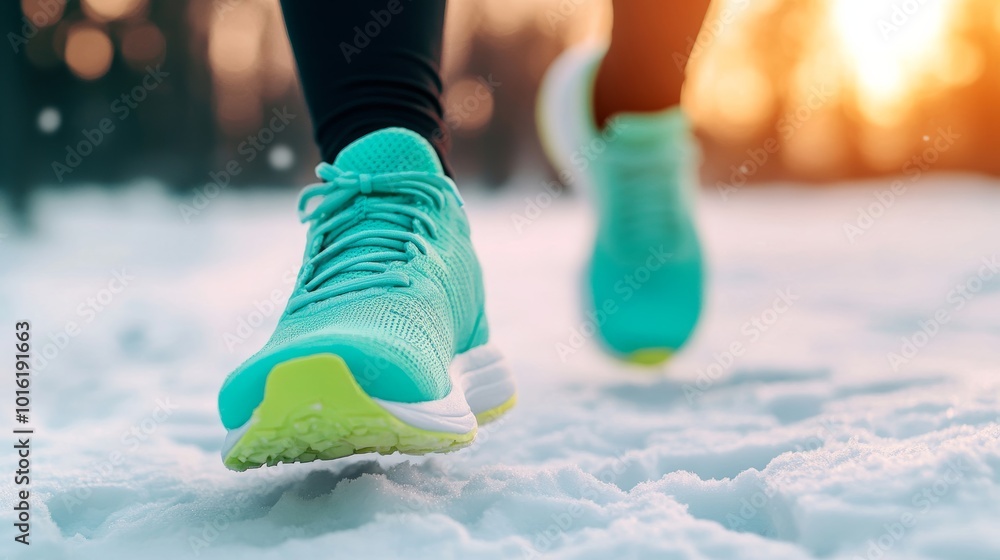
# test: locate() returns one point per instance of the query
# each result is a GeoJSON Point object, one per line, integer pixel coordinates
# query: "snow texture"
{"type": "Point", "coordinates": [799, 423]}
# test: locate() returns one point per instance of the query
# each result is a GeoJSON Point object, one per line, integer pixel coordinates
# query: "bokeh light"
{"type": "Point", "coordinates": [42, 13]}
{"type": "Point", "coordinates": [49, 120]}
{"type": "Point", "coordinates": [890, 70]}
{"type": "Point", "coordinates": [234, 45]}
{"type": "Point", "coordinates": [468, 104]}
{"type": "Point", "coordinates": [281, 157]}
{"type": "Point", "coordinates": [142, 44]}
{"type": "Point", "coordinates": [109, 10]}
{"type": "Point", "coordinates": [88, 51]}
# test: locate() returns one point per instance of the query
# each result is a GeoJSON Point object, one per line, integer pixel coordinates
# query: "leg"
{"type": "Point", "coordinates": [639, 72]}
{"type": "Point", "coordinates": [359, 82]}
{"type": "Point", "coordinates": [619, 109]}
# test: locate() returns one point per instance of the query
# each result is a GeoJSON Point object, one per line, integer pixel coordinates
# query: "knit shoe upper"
{"type": "Point", "coordinates": [389, 281]}
{"type": "Point", "coordinates": [647, 265]}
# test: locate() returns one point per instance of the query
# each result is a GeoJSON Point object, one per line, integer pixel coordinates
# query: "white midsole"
{"type": "Point", "coordinates": [564, 109]}
{"type": "Point", "coordinates": [481, 380]}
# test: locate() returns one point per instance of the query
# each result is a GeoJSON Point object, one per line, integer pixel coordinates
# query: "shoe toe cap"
{"type": "Point", "coordinates": [644, 312]}
{"type": "Point", "coordinates": [386, 369]}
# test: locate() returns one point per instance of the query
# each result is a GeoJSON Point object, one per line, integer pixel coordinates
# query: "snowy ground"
{"type": "Point", "coordinates": [800, 437]}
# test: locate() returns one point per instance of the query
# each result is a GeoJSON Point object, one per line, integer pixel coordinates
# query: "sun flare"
{"type": "Point", "coordinates": [890, 46]}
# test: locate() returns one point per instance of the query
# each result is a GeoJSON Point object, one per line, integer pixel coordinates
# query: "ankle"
{"type": "Point", "coordinates": [618, 88]}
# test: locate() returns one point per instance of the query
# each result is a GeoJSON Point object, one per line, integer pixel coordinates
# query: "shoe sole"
{"type": "Point", "coordinates": [649, 356]}
{"type": "Point", "coordinates": [314, 409]}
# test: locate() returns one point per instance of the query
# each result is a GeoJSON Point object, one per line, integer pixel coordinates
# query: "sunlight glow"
{"type": "Point", "coordinates": [891, 46]}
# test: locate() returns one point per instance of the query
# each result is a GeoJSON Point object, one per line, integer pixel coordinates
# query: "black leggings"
{"type": "Point", "coordinates": [369, 64]}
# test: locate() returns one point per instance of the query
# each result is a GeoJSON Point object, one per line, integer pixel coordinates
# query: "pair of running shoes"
{"type": "Point", "coordinates": [384, 345]}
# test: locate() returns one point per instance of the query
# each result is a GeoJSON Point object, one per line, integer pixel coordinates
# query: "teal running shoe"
{"type": "Point", "coordinates": [645, 274]}
{"type": "Point", "coordinates": [384, 344]}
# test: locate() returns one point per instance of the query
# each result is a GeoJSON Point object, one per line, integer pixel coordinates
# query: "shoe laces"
{"type": "Point", "coordinates": [340, 260]}
{"type": "Point", "coordinates": [649, 206]}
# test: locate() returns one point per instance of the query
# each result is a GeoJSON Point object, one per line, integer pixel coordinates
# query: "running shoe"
{"type": "Point", "coordinates": [384, 344]}
{"type": "Point", "coordinates": [645, 273]}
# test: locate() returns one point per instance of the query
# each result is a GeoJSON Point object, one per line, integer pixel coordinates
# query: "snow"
{"type": "Point", "coordinates": [800, 437]}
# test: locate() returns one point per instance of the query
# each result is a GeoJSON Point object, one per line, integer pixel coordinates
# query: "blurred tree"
{"type": "Point", "coordinates": [749, 85]}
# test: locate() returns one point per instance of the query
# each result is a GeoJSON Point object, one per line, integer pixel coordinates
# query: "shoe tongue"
{"type": "Point", "coordinates": [655, 157]}
{"type": "Point", "coordinates": [390, 150]}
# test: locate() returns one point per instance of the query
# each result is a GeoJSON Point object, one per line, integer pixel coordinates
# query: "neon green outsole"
{"type": "Point", "coordinates": [494, 413]}
{"type": "Point", "coordinates": [314, 409]}
{"type": "Point", "coordinates": [649, 356]}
